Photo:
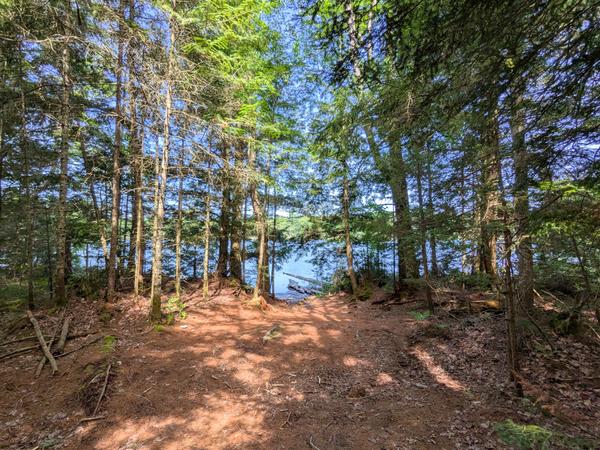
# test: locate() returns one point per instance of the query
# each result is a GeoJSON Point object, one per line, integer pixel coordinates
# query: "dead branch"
{"type": "Point", "coordinates": [310, 441]}
{"type": "Point", "coordinates": [287, 420]}
{"type": "Point", "coordinates": [63, 335]}
{"type": "Point", "coordinates": [103, 391]}
{"type": "Point", "coordinates": [45, 349]}
{"type": "Point", "coordinates": [96, 339]}
{"type": "Point", "coordinates": [18, 352]}
{"type": "Point", "coordinates": [23, 339]}
{"type": "Point", "coordinates": [42, 362]}
{"type": "Point", "coordinates": [90, 419]}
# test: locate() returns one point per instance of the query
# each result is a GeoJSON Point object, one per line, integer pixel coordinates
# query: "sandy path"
{"type": "Point", "coordinates": [339, 376]}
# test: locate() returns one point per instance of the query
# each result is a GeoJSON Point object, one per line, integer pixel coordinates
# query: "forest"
{"type": "Point", "coordinates": [299, 224]}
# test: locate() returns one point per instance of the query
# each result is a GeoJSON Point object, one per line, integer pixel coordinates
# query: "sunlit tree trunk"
{"type": "Point", "coordinates": [65, 126]}
{"type": "Point", "coordinates": [347, 239]}
{"type": "Point", "coordinates": [178, 225]}
{"type": "Point", "coordinates": [159, 215]}
{"type": "Point", "coordinates": [239, 196]}
{"type": "Point", "coordinates": [206, 244]}
{"type": "Point", "coordinates": [261, 228]}
{"type": "Point", "coordinates": [225, 215]}
{"type": "Point", "coordinates": [116, 176]}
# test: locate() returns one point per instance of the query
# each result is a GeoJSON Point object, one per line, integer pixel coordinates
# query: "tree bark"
{"type": "Point", "coordinates": [423, 230]}
{"type": "Point", "coordinates": [178, 225]}
{"type": "Point", "coordinates": [65, 126]}
{"type": "Point", "coordinates": [116, 175]}
{"type": "Point", "coordinates": [236, 223]}
{"type": "Point", "coordinates": [224, 216]}
{"type": "Point", "coordinates": [157, 232]}
{"type": "Point", "coordinates": [346, 219]}
{"type": "Point", "coordinates": [521, 196]}
{"type": "Point", "coordinates": [261, 229]}
{"type": "Point", "coordinates": [435, 270]}
{"type": "Point", "coordinates": [490, 198]}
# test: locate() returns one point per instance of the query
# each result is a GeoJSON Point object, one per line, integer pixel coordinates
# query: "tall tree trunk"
{"type": "Point", "coordinates": [97, 212]}
{"type": "Point", "coordinates": [65, 128]}
{"type": "Point", "coordinates": [273, 242]}
{"type": "Point", "coordinates": [225, 215]}
{"type": "Point", "coordinates": [157, 232]}
{"type": "Point", "coordinates": [346, 220]}
{"type": "Point", "coordinates": [261, 228]}
{"type": "Point", "coordinates": [521, 196]}
{"type": "Point", "coordinates": [423, 230]}
{"type": "Point", "coordinates": [435, 270]}
{"type": "Point", "coordinates": [244, 219]}
{"type": "Point", "coordinates": [236, 223]}
{"type": "Point", "coordinates": [178, 225]}
{"type": "Point", "coordinates": [136, 254]}
{"type": "Point", "coordinates": [138, 277]}
{"type": "Point", "coordinates": [206, 242]}
{"type": "Point", "coordinates": [116, 175]}
{"type": "Point", "coordinates": [28, 207]}
{"type": "Point", "coordinates": [490, 195]}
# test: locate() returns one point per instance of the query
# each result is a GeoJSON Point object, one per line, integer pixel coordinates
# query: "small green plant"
{"type": "Point", "coordinates": [420, 315]}
{"type": "Point", "coordinates": [175, 310]}
{"type": "Point", "coordinates": [158, 328]}
{"type": "Point", "coordinates": [535, 437]}
{"type": "Point", "coordinates": [109, 343]}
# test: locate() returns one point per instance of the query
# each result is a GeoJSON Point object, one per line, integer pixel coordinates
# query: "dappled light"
{"type": "Point", "coordinates": [299, 224]}
{"type": "Point", "coordinates": [436, 371]}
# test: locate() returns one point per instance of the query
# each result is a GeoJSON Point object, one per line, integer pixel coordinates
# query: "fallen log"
{"type": "Point", "coordinates": [45, 349]}
{"type": "Point", "coordinates": [302, 289]}
{"type": "Point", "coordinates": [309, 280]}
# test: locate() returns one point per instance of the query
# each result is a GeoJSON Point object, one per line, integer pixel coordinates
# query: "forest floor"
{"type": "Point", "coordinates": [323, 374]}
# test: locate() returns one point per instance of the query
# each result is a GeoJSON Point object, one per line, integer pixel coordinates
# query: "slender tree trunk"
{"type": "Point", "coordinates": [521, 196]}
{"type": "Point", "coordinates": [273, 242]}
{"type": "Point", "coordinates": [224, 217]}
{"type": "Point", "coordinates": [346, 219]}
{"type": "Point", "coordinates": [65, 127]}
{"type": "Point", "coordinates": [244, 219]}
{"type": "Point", "coordinates": [138, 278]}
{"type": "Point", "coordinates": [28, 207]}
{"type": "Point", "coordinates": [510, 310]}
{"type": "Point", "coordinates": [261, 229]}
{"type": "Point", "coordinates": [116, 176]}
{"type": "Point", "coordinates": [157, 232]}
{"type": "Point", "coordinates": [490, 198]}
{"type": "Point", "coordinates": [235, 257]}
{"type": "Point", "coordinates": [178, 225]}
{"type": "Point", "coordinates": [206, 242]}
{"type": "Point", "coordinates": [431, 213]}
{"type": "Point", "coordinates": [49, 257]}
{"type": "Point", "coordinates": [97, 212]}
{"type": "Point", "coordinates": [423, 229]}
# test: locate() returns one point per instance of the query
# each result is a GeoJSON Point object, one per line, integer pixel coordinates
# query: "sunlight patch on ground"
{"type": "Point", "coordinates": [436, 371]}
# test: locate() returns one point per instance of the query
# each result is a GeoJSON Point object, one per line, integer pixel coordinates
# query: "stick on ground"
{"type": "Point", "coordinates": [96, 339]}
{"type": "Point", "coordinates": [103, 389]}
{"type": "Point", "coordinates": [45, 349]}
{"type": "Point", "coordinates": [42, 362]}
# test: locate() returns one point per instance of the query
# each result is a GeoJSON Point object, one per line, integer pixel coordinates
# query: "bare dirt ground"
{"type": "Point", "coordinates": [333, 375]}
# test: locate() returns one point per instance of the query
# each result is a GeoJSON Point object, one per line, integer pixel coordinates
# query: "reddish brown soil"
{"type": "Point", "coordinates": [339, 376]}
